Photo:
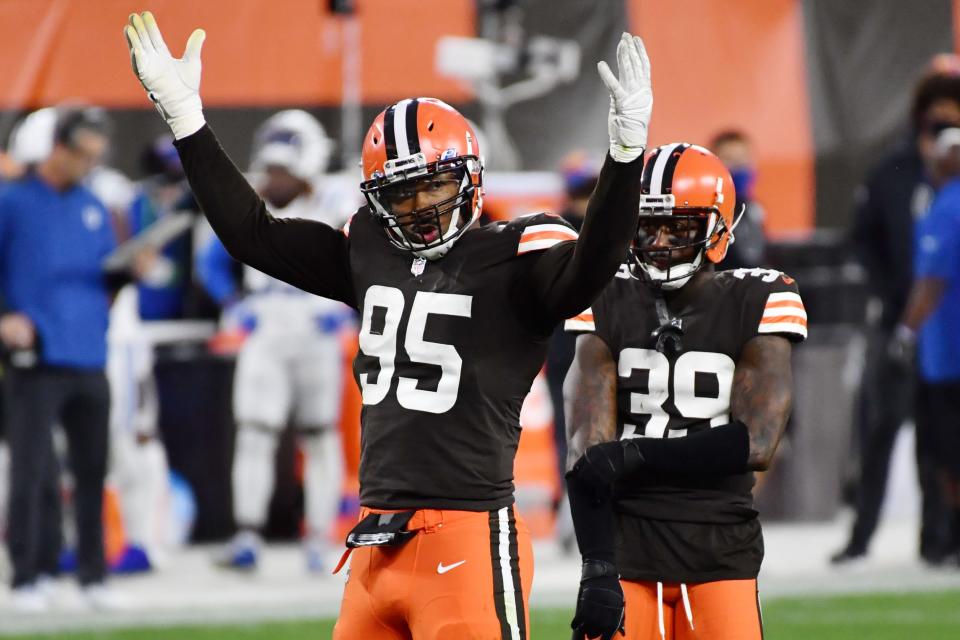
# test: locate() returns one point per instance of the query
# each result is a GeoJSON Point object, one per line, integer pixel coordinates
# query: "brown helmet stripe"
{"type": "Point", "coordinates": [401, 137]}
{"type": "Point", "coordinates": [673, 159]}
{"type": "Point", "coordinates": [389, 136]}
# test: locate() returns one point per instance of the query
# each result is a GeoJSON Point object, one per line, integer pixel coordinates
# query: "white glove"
{"type": "Point", "coordinates": [631, 99]}
{"type": "Point", "coordinates": [173, 85]}
{"type": "Point", "coordinates": [902, 346]}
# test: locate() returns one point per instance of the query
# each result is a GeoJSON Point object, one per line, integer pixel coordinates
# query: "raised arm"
{"type": "Point", "coordinates": [309, 255]}
{"type": "Point", "coordinates": [569, 276]}
{"type": "Point", "coordinates": [305, 253]}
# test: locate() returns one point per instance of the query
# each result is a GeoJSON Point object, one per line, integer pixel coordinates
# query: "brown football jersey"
{"type": "Point", "coordinates": [448, 351]}
{"type": "Point", "coordinates": [684, 526]}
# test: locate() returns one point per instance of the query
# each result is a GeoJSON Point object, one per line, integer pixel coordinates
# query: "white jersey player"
{"type": "Point", "coordinates": [289, 370]}
{"type": "Point", "coordinates": [138, 461]}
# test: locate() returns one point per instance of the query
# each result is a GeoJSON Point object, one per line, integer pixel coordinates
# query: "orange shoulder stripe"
{"type": "Point", "coordinates": [787, 319]}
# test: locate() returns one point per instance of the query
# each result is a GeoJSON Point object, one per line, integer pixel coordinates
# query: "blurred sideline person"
{"type": "Point", "coordinates": [162, 191]}
{"type": "Point", "coordinates": [31, 142]}
{"type": "Point", "coordinates": [734, 150]}
{"type": "Point", "coordinates": [932, 320]}
{"type": "Point", "coordinates": [894, 196]}
{"type": "Point", "coordinates": [54, 235]}
{"type": "Point", "coordinates": [289, 370]}
{"type": "Point", "coordinates": [138, 460]}
{"type": "Point", "coordinates": [440, 550]}
{"type": "Point", "coordinates": [680, 389]}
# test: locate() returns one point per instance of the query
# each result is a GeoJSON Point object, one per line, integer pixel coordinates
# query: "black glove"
{"type": "Point", "coordinates": [600, 604]}
{"type": "Point", "coordinates": [601, 464]}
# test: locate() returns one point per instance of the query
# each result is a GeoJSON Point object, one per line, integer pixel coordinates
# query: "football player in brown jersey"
{"type": "Point", "coordinates": [680, 389]}
{"type": "Point", "coordinates": [455, 323]}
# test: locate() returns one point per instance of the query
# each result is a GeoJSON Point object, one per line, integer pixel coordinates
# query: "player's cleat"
{"type": "Point", "coordinates": [133, 559]}
{"type": "Point", "coordinates": [240, 554]}
{"type": "Point", "coordinates": [239, 558]}
{"type": "Point", "coordinates": [848, 556]}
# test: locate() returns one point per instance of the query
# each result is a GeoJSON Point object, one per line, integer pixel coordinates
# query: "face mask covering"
{"type": "Point", "coordinates": [743, 179]}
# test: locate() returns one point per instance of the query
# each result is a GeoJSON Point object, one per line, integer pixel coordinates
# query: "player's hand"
{"type": "Point", "coordinates": [601, 464]}
{"type": "Point", "coordinates": [600, 605]}
{"type": "Point", "coordinates": [172, 84]}
{"type": "Point", "coordinates": [17, 331]}
{"type": "Point", "coordinates": [902, 346]}
{"type": "Point", "coordinates": [631, 99]}
{"type": "Point", "coordinates": [144, 263]}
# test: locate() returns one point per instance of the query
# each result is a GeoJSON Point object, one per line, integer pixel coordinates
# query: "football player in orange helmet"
{"type": "Point", "coordinates": [679, 390]}
{"type": "Point", "coordinates": [441, 551]}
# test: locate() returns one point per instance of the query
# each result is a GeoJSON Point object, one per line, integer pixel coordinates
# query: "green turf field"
{"type": "Point", "coordinates": [931, 616]}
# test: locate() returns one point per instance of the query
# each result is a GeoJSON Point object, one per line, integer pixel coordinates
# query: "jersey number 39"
{"type": "Point", "coordinates": [383, 346]}
{"type": "Point", "coordinates": [684, 372]}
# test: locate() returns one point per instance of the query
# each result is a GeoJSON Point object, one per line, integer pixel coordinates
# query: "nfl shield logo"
{"type": "Point", "coordinates": [418, 266]}
{"type": "Point", "coordinates": [92, 217]}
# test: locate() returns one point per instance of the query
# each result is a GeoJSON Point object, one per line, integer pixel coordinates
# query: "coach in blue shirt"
{"type": "Point", "coordinates": [54, 235]}
{"type": "Point", "coordinates": [933, 315]}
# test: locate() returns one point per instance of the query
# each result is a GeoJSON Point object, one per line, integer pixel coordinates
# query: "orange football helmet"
{"type": "Point", "coordinates": [417, 140]}
{"type": "Point", "coordinates": [687, 202]}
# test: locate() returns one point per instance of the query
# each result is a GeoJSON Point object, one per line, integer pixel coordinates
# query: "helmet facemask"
{"type": "Point", "coordinates": [429, 231]}
{"type": "Point", "coordinates": [671, 243]}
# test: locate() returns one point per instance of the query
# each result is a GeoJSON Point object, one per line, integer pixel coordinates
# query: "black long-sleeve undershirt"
{"type": "Point", "coordinates": [315, 257]}
{"type": "Point", "coordinates": [568, 277]}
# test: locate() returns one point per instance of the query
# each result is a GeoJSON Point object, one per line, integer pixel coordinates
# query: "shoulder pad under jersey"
{"type": "Point", "coordinates": [775, 298]}
{"type": "Point", "coordinates": [539, 231]}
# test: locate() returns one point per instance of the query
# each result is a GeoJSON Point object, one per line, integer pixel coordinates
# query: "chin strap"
{"type": "Point", "coordinates": [675, 282]}
{"type": "Point", "coordinates": [737, 218]}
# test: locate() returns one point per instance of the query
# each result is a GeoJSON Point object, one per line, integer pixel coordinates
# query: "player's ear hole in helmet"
{"type": "Point", "coordinates": [687, 215]}
{"type": "Point", "coordinates": [423, 175]}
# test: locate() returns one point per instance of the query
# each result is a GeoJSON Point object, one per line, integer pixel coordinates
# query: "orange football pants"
{"type": "Point", "coordinates": [720, 610]}
{"type": "Point", "coordinates": [466, 575]}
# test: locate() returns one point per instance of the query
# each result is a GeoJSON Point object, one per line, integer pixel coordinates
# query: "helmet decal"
{"type": "Point", "coordinates": [400, 129]}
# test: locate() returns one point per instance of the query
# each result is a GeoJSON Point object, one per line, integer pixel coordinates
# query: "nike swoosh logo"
{"type": "Point", "coordinates": [443, 569]}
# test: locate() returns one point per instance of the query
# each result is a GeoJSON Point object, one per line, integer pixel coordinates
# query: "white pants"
{"type": "Point", "coordinates": [284, 380]}
{"type": "Point", "coordinates": [138, 462]}
{"type": "Point", "coordinates": [281, 381]}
